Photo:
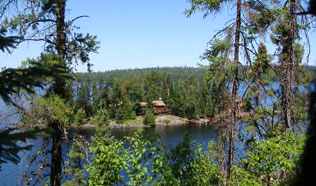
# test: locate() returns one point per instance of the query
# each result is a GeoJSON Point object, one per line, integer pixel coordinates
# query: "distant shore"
{"type": "Point", "coordinates": [165, 120]}
{"type": "Point", "coordinates": [161, 120]}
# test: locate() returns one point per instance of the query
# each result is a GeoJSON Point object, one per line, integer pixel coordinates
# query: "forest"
{"type": "Point", "coordinates": [184, 90]}
{"type": "Point", "coordinates": [254, 89]}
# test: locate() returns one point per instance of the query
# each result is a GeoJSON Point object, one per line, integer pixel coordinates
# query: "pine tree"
{"type": "Point", "coordinates": [209, 7]}
{"type": "Point", "coordinates": [60, 40]}
{"type": "Point", "coordinates": [280, 18]}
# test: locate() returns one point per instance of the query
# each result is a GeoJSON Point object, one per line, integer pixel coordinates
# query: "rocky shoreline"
{"type": "Point", "coordinates": [164, 120]}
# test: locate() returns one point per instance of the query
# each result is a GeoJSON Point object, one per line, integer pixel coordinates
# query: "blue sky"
{"type": "Point", "coordinates": [138, 34]}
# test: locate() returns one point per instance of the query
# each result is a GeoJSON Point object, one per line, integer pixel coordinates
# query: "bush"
{"type": "Point", "coordinates": [150, 118]}
{"type": "Point", "coordinates": [101, 118]}
{"type": "Point", "coordinates": [50, 110]}
{"type": "Point", "coordinates": [132, 161]}
{"type": "Point", "coordinates": [240, 176]}
{"type": "Point", "coordinates": [202, 170]}
{"type": "Point", "coordinates": [79, 117]}
{"type": "Point", "coordinates": [108, 162]}
{"type": "Point", "coordinates": [272, 161]}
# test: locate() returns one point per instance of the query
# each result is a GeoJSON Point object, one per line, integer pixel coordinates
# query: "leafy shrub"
{"type": "Point", "coordinates": [202, 170]}
{"type": "Point", "coordinates": [241, 176]}
{"type": "Point", "coordinates": [101, 118]}
{"type": "Point", "coordinates": [274, 160]}
{"type": "Point", "coordinates": [147, 163]}
{"type": "Point", "coordinates": [132, 161]}
{"type": "Point", "coordinates": [79, 117]}
{"type": "Point", "coordinates": [124, 111]}
{"type": "Point", "coordinates": [138, 150]}
{"type": "Point", "coordinates": [135, 161]}
{"type": "Point", "coordinates": [107, 164]}
{"type": "Point", "coordinates": [192, 166]}
{"type": "Point", "coordinates": [149, 119]}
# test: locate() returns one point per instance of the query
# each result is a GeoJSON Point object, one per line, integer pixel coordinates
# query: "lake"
{"type": "Point", "coordinates": [12, 174]}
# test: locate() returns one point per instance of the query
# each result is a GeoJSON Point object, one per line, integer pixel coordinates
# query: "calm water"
{"type": "Point", "coordinates": [12, 174]}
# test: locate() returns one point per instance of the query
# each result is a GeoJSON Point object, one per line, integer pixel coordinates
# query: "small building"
{"type": "Point", "coordinates": [141, 108]}
{"type": "Point", "coordinates": [159, 107]}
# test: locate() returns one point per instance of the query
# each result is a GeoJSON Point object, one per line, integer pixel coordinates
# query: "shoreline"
{"type": "Point", "coordinates": [166, 120]}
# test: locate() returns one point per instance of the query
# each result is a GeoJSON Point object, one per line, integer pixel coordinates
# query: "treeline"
{"type": "Point", "coordinates": [184, 90]}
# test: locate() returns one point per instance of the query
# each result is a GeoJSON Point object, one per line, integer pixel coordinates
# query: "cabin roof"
{"type": "Point", "coordinates": [143, 104]}
{"type": "Point", "coordinates": [158, 103]}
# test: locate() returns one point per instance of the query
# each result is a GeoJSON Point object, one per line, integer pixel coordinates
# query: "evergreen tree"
{"type": "Point", "coordinates": [61, 41]}
{"type": "Point", "coordinates": [286, 28]}
{"type": "Point", "coordinates": [210, 7]}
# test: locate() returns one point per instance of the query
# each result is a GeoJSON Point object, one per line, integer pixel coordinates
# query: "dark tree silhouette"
{"type": "Point", "coordinates": [306, 168]}
{"type": "Point", "coordinates": [10, 146]}
{"type": "Point", "coordinates": [305, 174]}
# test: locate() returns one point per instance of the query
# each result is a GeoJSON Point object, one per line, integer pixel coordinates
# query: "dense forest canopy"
{"type": "Point", "coordinates": [183, 89]}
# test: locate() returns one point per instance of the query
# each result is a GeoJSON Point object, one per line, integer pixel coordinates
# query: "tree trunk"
{"type": "Point", "coordinates": [231, 135]}
{"type": "Point", "coordinates": [287, 67]}
{"type": "Point", "coordinates": [56, 162]}
{"type": "Point", "coordinates": [60, 28]}
{"type": "Point", "coordinates": [60, 83]}
{"type": "Point", "coordinates": [59, 89]}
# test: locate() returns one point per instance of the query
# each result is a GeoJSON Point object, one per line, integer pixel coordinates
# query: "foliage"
{"type": "Point", "coordinates": [270, 92]}
{"type": "Point", "coordinates": [101, 118]}
{"type": "Point", "coordinates": [79, 117]}
{"type": "Point", "coordinates": [107, 164]}
{"type": "Point", "coordinates": [74, 166]}
{"type": "Point", "coordinates": [46, 22]}
{"type": "Point", "coordinates": [53, 109]}
{"type": "Point", "coordinates": [39, 21]}
{"type": "Point", "coordinates": [149, 119]}
{"type": "Point", "coordinates": [37, 73]}
{"type": "Point", "coordinates": [242, 177]}
{"type": "Point", "coordinates": [139, 152]}
{"type": "Point", "coordinates": [131, 157]}
{"type": "Point", "coordinates": [140, 162]}
{"type": "Point", "coordinates": [161, 170]}
{"type": "Point", "coordinates": [82, 99]}
{"type": "Point", "coordinates": [184, 90]}
{"type": "Point", "coordinates": [181, 157]}
{"type": "Point", "coordinates": [206, 6]}
{"type": "Point", "coordinates": [193, 166]}
{"type": "Point", "coordinates": [274, 160]}
{"type": "Point", "coordinates": [7, 42]}
{"type": "Point", "coordinates": [203, 170]}
{"type": "Point", "coordinates": [124, 111]}
{"type": "Point", "coordinates": [137, 161]}
{"type": "Point", "coordinates": [10, 146]}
